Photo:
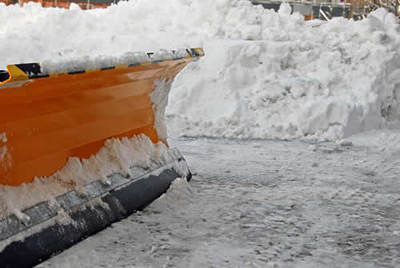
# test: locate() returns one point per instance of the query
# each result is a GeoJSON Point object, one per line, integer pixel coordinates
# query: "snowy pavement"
{"type": "Point", "coordinates": [262, 203]}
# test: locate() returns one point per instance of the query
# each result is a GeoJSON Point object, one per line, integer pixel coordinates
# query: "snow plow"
{"type": "Point", "coordinates": [82, 145]}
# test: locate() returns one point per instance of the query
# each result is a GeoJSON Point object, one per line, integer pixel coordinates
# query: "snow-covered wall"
{"type": "Point", "coordinates": [266, 74]}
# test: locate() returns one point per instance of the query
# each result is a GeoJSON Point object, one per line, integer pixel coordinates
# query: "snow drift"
{"type": "Point", "coordinates": [266, 74]}
{"type": "Point", "coordinates": [296, 81]}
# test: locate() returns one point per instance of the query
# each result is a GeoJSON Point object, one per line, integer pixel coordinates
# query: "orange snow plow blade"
{"type": "Point", "coordinates": [47, 118]}
{"type": "Point", "coordinates": [82, 148]}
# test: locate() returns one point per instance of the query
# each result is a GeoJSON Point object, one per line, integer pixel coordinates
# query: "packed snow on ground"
{"type": "Point", "coordinates": [262, 203]}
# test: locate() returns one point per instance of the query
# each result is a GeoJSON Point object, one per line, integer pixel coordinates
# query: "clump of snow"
{"type": "Point", "coordinates": [3, 147]}
{"type": "Point", "coordinates": [116, 156]}
{"type": "Point", "coordinates": [3, 137]}
{"type": "Point", "coordinates": [91, 62]}
{"type": "Point", "coordinates": [159, 97]}
{"type": "Point", "coordinates": [179, 193]}
{"type": "Point", "coordinates": [5, 157]}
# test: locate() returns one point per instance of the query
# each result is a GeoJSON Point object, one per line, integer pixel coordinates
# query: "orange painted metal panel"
{"type": "Point", "coordinates": [48, 120]}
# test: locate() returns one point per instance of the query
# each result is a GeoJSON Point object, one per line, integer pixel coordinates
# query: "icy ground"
{"type": "Point", "coordinates": [263, 203]}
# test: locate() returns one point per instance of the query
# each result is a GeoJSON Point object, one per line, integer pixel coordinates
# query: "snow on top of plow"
{"type": "Point", "coordinates": [92, 62]}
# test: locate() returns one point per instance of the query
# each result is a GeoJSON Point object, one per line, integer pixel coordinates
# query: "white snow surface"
{"type": "Point", "coordinates": [159, 97]}
{"type": "Point", "coordinates": [261, 203]}
{"type": "Point", "coordinates": [3, 147]}
{"type": "Point", "coordinates": [296, 81]}
{"type": "Point", "coordinates": [32, 33]}
{"type": "Point", "coordinates": [100, 61]}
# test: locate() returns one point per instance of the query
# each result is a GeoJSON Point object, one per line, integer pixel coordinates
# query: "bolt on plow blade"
{"type": "Point", "coordinates": [82, 145]}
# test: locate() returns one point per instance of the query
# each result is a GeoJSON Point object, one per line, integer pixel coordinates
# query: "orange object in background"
{"type": "Point", "coordinates": [44, 121]}
{"type": "Point", "coordinates": [8, 2]}
{"type": "Point", "coordinates": [64, 3]}
{"type": "Point", "coordinates": [309, 17]}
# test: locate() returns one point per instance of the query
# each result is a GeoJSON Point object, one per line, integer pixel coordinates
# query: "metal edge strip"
{"type": "Point", "coordinates": [70, 200]}
{"type": "Point", "coordinates": [86, 221]}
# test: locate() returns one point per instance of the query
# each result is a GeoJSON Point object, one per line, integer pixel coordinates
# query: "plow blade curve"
{"type": "Point", "coordinates": [82, 146]}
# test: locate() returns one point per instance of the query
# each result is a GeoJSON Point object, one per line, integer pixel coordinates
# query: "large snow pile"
{"type": "Point", "coordinates": [297, 81]}
{"type": "Point", "coordinates": [266, 74]}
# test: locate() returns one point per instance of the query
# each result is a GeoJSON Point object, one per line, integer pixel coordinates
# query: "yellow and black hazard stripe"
{"type": "Point", "coordinates": [27, 71]}
{"type": "Point", "coordinates": [195, 52]}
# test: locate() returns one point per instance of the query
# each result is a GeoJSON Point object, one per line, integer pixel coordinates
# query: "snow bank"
{"type": "Point", "coordinates": [266, 74]}
{"type": "Point", "coordinates": [297, 81]}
